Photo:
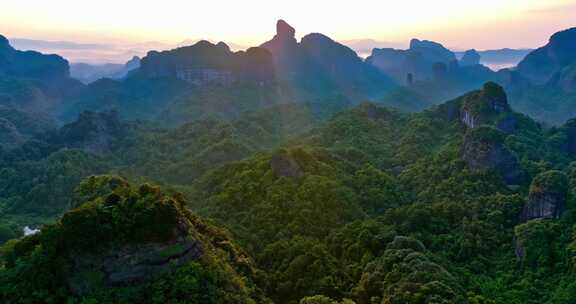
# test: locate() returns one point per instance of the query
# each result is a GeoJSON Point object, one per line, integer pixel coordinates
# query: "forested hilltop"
{"type": "Point", "coordinates": [254, 177]}
{"type": "Point", "coordinates": [468, 202]}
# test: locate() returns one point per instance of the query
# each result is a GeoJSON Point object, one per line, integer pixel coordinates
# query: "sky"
{"type": "Point", "coordinates": [130, 26]}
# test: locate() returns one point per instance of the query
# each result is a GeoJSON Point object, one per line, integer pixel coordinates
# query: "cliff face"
{"type": "Point", "coordinates": [488, 107]}
{"type": "Point", "coordinates": [205, 63]}
{"type": "Point", "coordinates": [483, 149]}
{"type": "Point", "coordinates": [547, 198]}
{"type": "Point", "coordinates": [134, 264]}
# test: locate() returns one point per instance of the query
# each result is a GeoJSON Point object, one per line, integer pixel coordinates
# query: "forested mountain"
{"type": "Point", "coordinates": [32, 85]}
{"type": "Point", "coordinates": [542, 84]}
{"type": "Point", "coordinates": [451, 205]}
{"type": "Point", "coordinates": [189, 82]}
{"type": "Point", "coordinates": [264, 176]}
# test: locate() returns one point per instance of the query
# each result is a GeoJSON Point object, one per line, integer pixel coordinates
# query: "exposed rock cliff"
{"type": "Point", "coordinates": [547, 198]}
{"type": "Point", "coordinates": [205, 63]}
{"type": "Point", "coordinates": [483, 149]}
{"type": "Point", "coordinates": [488, 107]}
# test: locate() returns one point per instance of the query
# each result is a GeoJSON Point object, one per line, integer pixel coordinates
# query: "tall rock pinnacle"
{"type": "Point", "coordinates": [284, 30]}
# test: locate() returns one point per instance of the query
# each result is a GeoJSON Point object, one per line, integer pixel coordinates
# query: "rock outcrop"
{"type": "Point", "coordinates": [483, 149]}
{"type": "Point", "coordinates": [133, 264]}
{"type": "Point", "coordinates": [470, 57]}
{"type": "Point", "coordinates": [488, 106]}
{"type": "Point", "coordinates": [547, 198]}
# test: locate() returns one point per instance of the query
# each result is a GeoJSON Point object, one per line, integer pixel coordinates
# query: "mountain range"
{"type": "Point", "coordinates": [290, 172]}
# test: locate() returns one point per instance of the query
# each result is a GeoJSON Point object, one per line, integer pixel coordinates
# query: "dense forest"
{"type": "Point", "coordinates": [293, 172]}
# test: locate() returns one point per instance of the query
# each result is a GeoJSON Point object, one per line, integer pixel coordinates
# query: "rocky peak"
{"type": "Point", "coordinates": [284, 40]}
{"type": "Point", "coordinates": [471, 57]}
{"type": "Point", "coordinates": [547, 198]}
{"type": "Point", "coordinates": [496, 97]}
{"type": "Point", "coordinates": [484, 149]}
{"type": "Point", "coordinates": [284, 30]}
{"type": "Point", "coordinates": [488, 106]}
{"type": "Point", "coordinates": [434, 50]}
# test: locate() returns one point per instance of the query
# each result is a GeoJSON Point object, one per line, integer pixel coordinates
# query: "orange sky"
{"type": "Point", "coordinates": [455, 23]}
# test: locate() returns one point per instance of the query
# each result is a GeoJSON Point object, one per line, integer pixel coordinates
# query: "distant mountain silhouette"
{"type": "Point", "coordinates": [322, 66]}
{"type": "Point", "coordinates": [88, 73]}
{"type": "Point", "coordinates": [470, 57]}
{"type": "Point", "coordinates": [418, 60]}
{"type": "Point", "coordinates": [544, 82]}
{"type": "Point", "coordinates": [31, 80]}
{"type": "Point", "coordinates": [205, 62]}
{"type": "Point", "coordinates": [500, 58]}
{"type": "Point", "coordinates": [540, 65]}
